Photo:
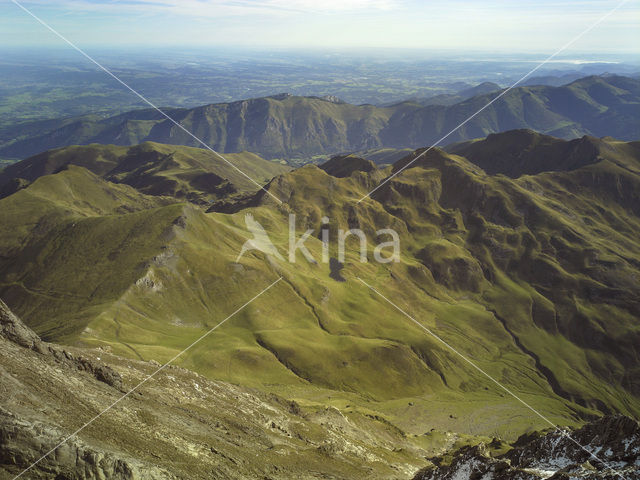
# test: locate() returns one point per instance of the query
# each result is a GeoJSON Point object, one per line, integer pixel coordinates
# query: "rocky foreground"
{"type": "Point", "coordinates": [180, 425]}
{"type": "Point", "coordinates": [611, 451]}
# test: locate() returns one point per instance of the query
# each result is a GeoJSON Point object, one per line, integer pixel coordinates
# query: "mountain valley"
{"type": "Point", "coordinates": [530, 274]}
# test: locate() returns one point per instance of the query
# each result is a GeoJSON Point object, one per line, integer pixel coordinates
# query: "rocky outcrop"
{"type": "Point", "coordinates": [607, 448]}
{"type": "Point", "coordinates": [12, 328]}
{"type": "Point", "coordinates": [22, 443]}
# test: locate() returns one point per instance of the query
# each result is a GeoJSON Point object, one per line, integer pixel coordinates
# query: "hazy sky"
{"type": "Point", "coordinates": [495, 25]}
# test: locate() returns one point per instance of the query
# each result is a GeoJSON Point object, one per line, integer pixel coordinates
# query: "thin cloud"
{"type": "Point", "coordinates": [495, 25]}
{"type": "Point", "coordinates": [218, 8]}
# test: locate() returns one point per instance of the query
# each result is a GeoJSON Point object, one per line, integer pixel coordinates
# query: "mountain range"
{"type": "Point", "coordinates": [298, 128]}
{"type": "Point", "coordinates": [519, 250]}
{"type": "Point", "coordinates": [534, 268]}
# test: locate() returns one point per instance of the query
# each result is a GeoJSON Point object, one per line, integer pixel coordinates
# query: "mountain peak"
{"type": "Point", "coordinates": [331, 98]}
{"type": "Point", "coordinates": [427, 156]}
{"type": "Point", "coordinates": [480, 89]}
{"type": "Point", "coordinates": [525, 152]}
{"type": "Point", "coordinates": [344, 165]}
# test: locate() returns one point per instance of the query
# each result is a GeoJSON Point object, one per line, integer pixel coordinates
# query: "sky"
{"type": "Point", "coordinates": [462, 25]}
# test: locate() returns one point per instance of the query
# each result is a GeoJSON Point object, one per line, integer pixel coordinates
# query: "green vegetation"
{"type": "Point", "coordinates": [183, 173]}
{"type": "Point", "coordinates": [533, 278]}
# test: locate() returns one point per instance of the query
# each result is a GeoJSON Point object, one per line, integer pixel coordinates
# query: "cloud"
{"type": "Point", "coordinates": [526, 25]}
{"type": "Point", "coordinates": [333, 5]}
{"type": "Point", "coordinates": [217, 8]}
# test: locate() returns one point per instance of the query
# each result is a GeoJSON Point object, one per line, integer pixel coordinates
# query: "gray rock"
{"type": "Point", "coordinates": [12, 328]}
{"type": "Point", "coordinates": [558, 455]}
{"type": "Point", "coordinates": [22, 444]}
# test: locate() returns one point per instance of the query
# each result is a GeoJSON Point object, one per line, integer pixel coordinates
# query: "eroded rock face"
{"type": "Point", "coordinates": [611, 450]}
{"type": "Point", "coordinates": [12, 328]}
{"type": "Point", "coordinates": [22, 443]}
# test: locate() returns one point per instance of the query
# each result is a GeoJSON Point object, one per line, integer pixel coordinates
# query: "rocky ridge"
{"type": "Point", "coordinates": [607, 448]}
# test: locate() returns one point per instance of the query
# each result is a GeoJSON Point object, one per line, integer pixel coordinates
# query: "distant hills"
{"type": "Point", "coordinates": [289, 127]}
{"type": "Point", "coordinates": [453, 98]}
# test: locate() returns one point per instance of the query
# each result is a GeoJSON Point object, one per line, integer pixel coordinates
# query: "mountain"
{"type": "Point", "coordinates": [179, 416]}
{"type": "Point", "coordinates": [553, 80]}
{"type": "Point", "coordinates": [383, 156]}
{"type": "Point", "coordinates": [531, 277]}
{"type": "Point", "coordinates": [185, 173]}
{"type": "Point", "coordinates": [177, 425]}
{"type": "Point", "coordinates": [598, 106]}
{"type": "Point", "coordinates": [298, 128]}
{"type": "Point", "coordinates": [525, 152]}
{"type": "Point", "coordinates": [343, 166]}
{"type": "Point", "coordinates": [281, 126]}
{"type": "Point", "coordinates": [480, 89]}
{"type": "Point", "coordinates": [36, 137]}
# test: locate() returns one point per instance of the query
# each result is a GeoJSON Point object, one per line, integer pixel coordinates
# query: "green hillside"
{"type": "Point", "coordinates": [533, 278]}
{"type": "Point", "coordinates": [523, 152]}
{"type": "Point", "coordinates": [298, 128]}
{"type": "Point", "coordinates": [184, 173]}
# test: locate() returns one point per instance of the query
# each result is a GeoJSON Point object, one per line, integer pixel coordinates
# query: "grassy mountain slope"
{"type": "Point", "coordinates": [532, 278]}
{"type": "Point", "coordinates": [186, 173]}
{"type": "Point", "coordinates": [294, 128]}
{"type": "Point", "coordinates": [522, 152]}
{"type": "Point", "coordinates": [65, 233]}
{"type": "Point", "coordinates": [178, 424]}
{"type": "Point", "coordinates": [384, 156]}
{"type": "Point", "coordinates": [593, 105]}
